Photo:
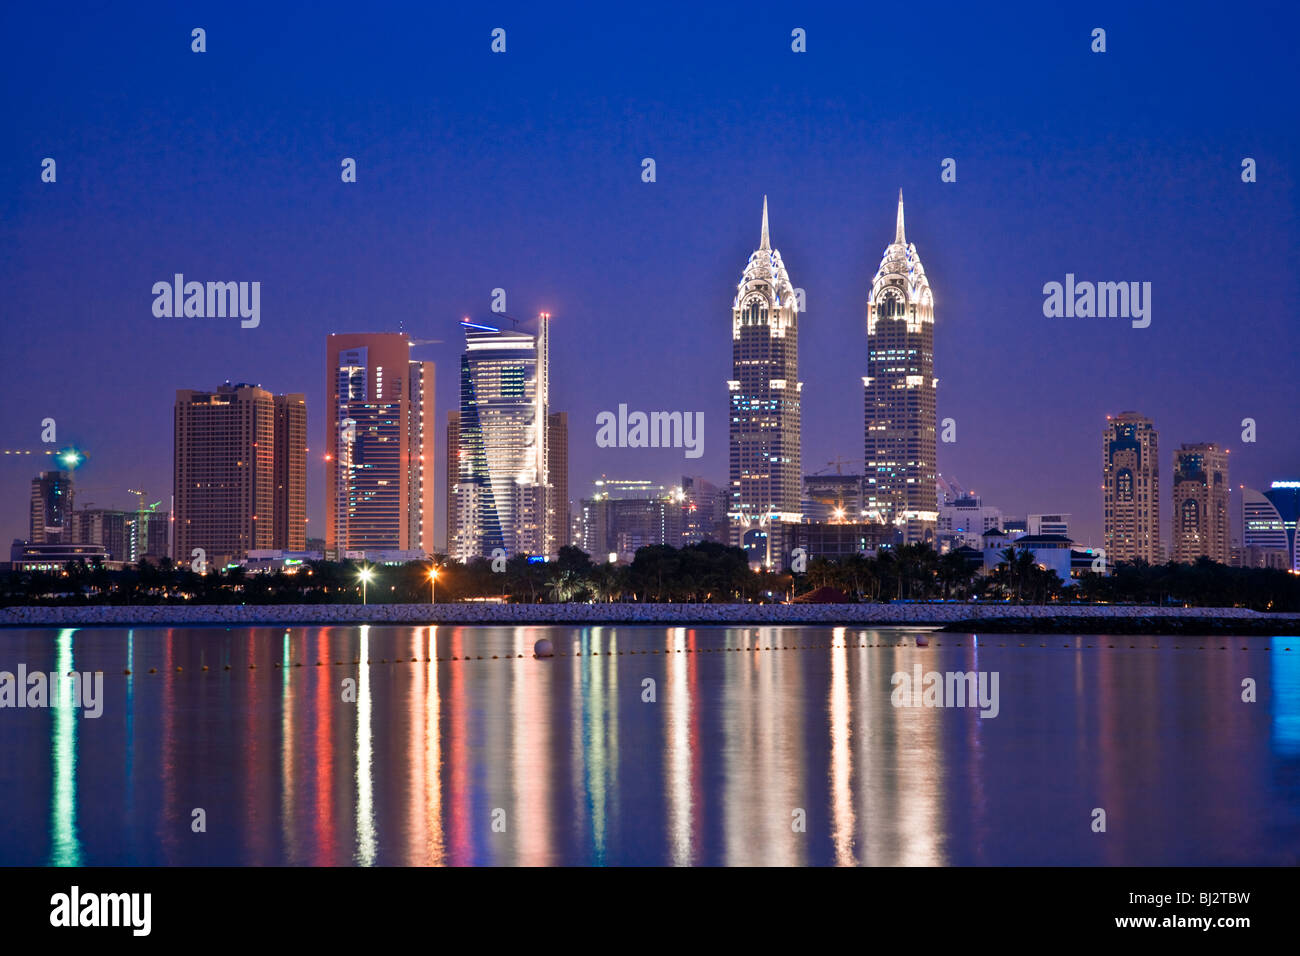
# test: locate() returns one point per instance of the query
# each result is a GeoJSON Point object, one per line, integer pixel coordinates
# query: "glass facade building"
{"type": "Point", "coordinates": [502, 489]}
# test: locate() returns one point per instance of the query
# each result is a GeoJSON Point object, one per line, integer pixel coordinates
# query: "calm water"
{"type": "Point", "coordinates": [566, 756]}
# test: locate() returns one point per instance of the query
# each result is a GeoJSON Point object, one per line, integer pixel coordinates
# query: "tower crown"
{"type": "Point", "coordinates": [901, 268]}
{"type": "Point", "coordinates": [765, 276]}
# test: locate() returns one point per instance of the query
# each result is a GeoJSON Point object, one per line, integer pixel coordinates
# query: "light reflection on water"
{"type": "Point", "coordinates": [647, 745]}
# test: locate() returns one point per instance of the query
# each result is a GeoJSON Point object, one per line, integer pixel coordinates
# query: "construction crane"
{"type": "Point", "coordinates": [141, 544]}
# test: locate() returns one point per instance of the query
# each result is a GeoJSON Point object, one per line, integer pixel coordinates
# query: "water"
{"type": "Point", "coordinates": [561, 761]}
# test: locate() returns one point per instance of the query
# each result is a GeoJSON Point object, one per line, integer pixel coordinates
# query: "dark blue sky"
{"type": "Point", "coordinates": [522, 171]}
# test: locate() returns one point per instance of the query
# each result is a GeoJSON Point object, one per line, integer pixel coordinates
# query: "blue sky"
{"type": "Point", "coordinates": [522, 171]}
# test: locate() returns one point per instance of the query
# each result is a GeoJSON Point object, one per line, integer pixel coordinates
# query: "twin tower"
{"type": "Point", "coordinates": [900, 391]}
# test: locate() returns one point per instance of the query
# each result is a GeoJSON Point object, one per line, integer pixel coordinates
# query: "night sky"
{"type": "Point", "coordinates": [523, 171]}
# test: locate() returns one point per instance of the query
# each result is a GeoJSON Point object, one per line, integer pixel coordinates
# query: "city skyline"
{"type": "Point", "coordinates": [636, 272]}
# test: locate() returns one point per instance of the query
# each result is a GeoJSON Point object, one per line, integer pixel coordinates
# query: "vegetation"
{"type": "Point", "coordinates": [700, 573]}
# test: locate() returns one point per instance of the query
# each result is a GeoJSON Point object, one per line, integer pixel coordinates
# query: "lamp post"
{"type": "Point", "coordinates": [366, 575]}
{"type": "Point", "coordinates": [433, 583]}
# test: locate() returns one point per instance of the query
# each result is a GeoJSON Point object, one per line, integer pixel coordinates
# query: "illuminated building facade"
{"type": "Point", "coordinates": [1201, 510]}
{"type": "Point", "coordinates": [1269, 526]}
{"type": "Point", "coordinates": [229, 468]}
{"type": "Point", "coordinates": [1130, 456]}
{"type": "Point", "coordinates": [379, 445]}
{"type": "Point", "coordinates": [765, 462]}
{"type": "Point", "coordinates": [901, 393]}
{"type": "Point", "coordinates": [502, 491]}
{"type": "Point", "coordinates": [452, 466]}
{"type": "Point", "coordinates": [557, 471]}
{"type": "Point", "coordinates": [51, 508]}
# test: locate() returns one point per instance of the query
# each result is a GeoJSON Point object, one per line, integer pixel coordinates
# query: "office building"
{"type": "Point", "coordinates": [1201, 512]}
{"type": "Point", "coordinates": [51, 506]}
{"type": "Point", "coordinates": [230, 473]}
{"type": "Point", "coordinates": [379, 438]}
{"type": "Point", "coordinates": [1131, 489]}
{"type": "Point", "coordinates": [452, 467]}
{"type": "Point", "coordinates": [502, 492]}
{"type": "Point", "coordinates": [557, 471]}
{"type": "Point", "coordinates": [764, 390]}
{"type": "Point", "coordinates": [901, 393]}
{"type": "Point", "coordinates": [1269, 526]}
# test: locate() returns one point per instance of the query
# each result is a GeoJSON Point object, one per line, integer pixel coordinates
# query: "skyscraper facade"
{"type": "Point", "coordinates": [290, 505]}
{"type": "Point", "coordinates": [765, 406]}
{"type": "Point", "coordinates": [901, 393]}
{"type": "Point", "coordinates": [502, 493]}
{"type": "Point", "coordinates": [1269, 522]}
{"type": "Point", "coordinates": [51, 508]}
{"type": "Point", "coordinates": [1131, 488]}
{"type": "Point", "coordinates": [452, 466]}
{"type": "Point", "coordinates": [227, 471]}
{"type": "Point", "coordinates": [380, 425]}
{"type": "Point", "coordinates": [1201, 513]}
{"type": "Point", "coordinates": [557, 471]}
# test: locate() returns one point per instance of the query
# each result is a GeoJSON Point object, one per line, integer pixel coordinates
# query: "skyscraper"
{"type": "Point", "coordinates": [901, 393]}
{"type": "Point", "coordinates": [1201, 511]}
{"type": "Point", "coordinates": [557, 471]}
{"type": "Point", "coordinates": [501, 491]}
{"type": "Point", "coordinates": [240, 458]}
{"type": "Point", "coordinates": [51, 509]}
{"type": "Point", "coordinates": [1269, 521]}
{"type": "Point", "coordinates": [766, 466]}
{"type": "Point", "coordinates": [290, 505]}
{"type": "Point", "coordinates": [452, 466]}
{"type": "Point", "coordinates": [379, 442]}
{"type": "Point", "coordinates": [1131, 487]}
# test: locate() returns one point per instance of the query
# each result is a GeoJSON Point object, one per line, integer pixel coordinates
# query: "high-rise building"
{"type": "Point", "coordinates": [290, 506]}
{"type": "Point", "coordinates": [765, 468]}
{"type": "Point", "coordinates": [704, 511]}
{"type": "Point", "coordinates": [379, 442]}
{"type": "Point", "coordinates": [51, 508]}
{"type": "Point", "coordinates": [452, 465]}
{"type": "Point", "coordinates": [501, 491]}
{"type": "Point", "coordinates": [127, 536]}
{"type": "Point", "coordinates": [1269, 526]}
{"type": "Point", "coordinates": [229, 467]}
{"type": "Point", "coordinates": [1201, 516]}
{"type": "Point", "coordinates": [557, 471]}
{"type": "Point", "coordinates": [901, 393]}
{"type": "Point", "coordinates": [1131, 487]}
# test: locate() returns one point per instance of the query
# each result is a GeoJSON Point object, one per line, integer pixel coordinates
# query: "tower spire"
{"type": "Point", "coordinates": [898, 227]}
{"type": "Point", "coordinates": [765, 243]}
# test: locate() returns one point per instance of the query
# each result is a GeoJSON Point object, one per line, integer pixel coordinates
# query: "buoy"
{"type": "Point", "coordinates": [205, 666]}
{"type": "Point", "coordinates": [922, 642]}
{"type": "Point", "coordinates": [153, 670]}
{"type": "Point", "coordinates": [127, 671]}
{"type": "Point", "coordinates": [544, 648]}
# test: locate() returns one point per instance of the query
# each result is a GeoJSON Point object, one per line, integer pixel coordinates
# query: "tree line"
{"type": "Point", "coordinates": [707, 572]}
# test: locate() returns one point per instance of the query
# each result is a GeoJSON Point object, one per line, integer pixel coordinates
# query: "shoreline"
{"type": "Point", "coordinates": [1100, 619]}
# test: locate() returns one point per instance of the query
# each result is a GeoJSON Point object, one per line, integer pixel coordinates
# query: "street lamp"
{"type": "Point", "coordinates": [433, 583]}
{"type": "Point", "coordinates": [366, 575]}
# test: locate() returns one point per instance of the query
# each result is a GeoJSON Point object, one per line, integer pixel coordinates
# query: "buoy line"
{"type": "Point", "coordinates": [699, 650]}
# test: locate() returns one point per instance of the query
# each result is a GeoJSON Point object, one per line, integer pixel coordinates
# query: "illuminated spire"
{"type": "Point", "coordinates": [765, 243]}
{"type": "Point", "coordinates": [898, 228]}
